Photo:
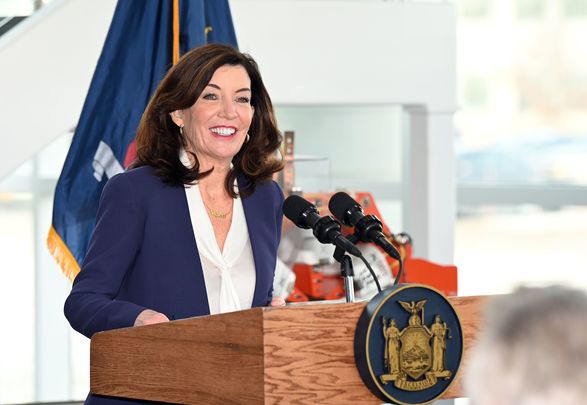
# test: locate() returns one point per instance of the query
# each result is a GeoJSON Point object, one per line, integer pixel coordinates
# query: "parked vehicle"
{"type": "Point", "coordinates": [527, 159]}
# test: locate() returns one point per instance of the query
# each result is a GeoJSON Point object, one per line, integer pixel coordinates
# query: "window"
{"type": "Point", "coordinates": [530, 9]}
{"type": "Point", "coordinates": [369, 159]}
{"type": "Point", "coordinates": [522, 156]}
{"type": "Point", "coordinates": [42, 358]}
{"type": "Point", "coordinates": [575, 8]}
{"type": "Point", "coordinates": [474, 9]}
{"type": "Point", "coordinates": [475, 93]}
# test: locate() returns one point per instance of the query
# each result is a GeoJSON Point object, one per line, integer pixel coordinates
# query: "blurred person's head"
{"type": "Point", "coordinates": [532, 350]}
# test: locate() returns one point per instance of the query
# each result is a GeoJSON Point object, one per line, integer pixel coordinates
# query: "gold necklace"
{"type": "Point", "coordinates": [217, 214]}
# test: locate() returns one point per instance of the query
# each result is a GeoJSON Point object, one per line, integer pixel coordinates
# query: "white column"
{"type": "Point", "coordinates": [430, 190]}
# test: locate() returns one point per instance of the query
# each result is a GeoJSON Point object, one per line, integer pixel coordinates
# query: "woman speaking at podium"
{"type": "Point", "coordinates": [193, 228]}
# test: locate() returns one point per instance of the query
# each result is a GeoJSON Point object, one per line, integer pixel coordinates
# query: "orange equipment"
{"type": "Point", "coordinates": [313, 283]}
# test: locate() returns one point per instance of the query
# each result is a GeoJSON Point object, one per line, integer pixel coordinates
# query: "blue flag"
{"type": "Point", "coordinates": [136, 55]}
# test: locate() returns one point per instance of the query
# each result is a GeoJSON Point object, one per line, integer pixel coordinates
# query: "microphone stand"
{"type": "Point", "coordinates": [346, 269]}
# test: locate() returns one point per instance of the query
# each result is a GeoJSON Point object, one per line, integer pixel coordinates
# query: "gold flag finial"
{"type": "Point", "coordinates": [207, 30]}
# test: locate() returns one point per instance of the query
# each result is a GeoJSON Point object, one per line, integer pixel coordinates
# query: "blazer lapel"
{"type": "Point", "coordinates": [254, 207]}
{"type": "Point", "coordinates": [190, 244]}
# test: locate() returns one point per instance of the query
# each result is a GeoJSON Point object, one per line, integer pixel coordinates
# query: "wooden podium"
{"type": "Point", "coordinates": [301, 355]}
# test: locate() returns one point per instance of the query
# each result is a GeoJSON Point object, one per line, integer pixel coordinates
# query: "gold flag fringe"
{"type": "Point", "coordinates": [62, 255]}
{"type": "Point", "coordinates": [57, 247]}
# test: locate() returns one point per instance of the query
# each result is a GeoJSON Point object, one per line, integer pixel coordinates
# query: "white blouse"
{"type": "Point", "coordinates": [229, 275]}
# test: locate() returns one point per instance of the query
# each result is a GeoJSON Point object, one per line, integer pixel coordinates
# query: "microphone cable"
{"type": "Point", "coordinates": [372, 272]}
{"type": "Point", "coordinates": [339, 253]}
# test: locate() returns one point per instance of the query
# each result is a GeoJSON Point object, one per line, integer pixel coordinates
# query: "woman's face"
{"type": "Point", "coordinates": [217, 124]}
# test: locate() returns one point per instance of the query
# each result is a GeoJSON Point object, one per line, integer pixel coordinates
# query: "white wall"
{"type": "Point", "coordinates": [46, 64]}
{"type": "Point", "coordinates": [325, 51]}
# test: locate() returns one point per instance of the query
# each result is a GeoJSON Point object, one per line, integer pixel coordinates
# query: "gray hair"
{"type": "Point", "coordinates": [532, 350]}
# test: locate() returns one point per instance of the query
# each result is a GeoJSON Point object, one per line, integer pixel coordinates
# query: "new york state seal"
{"type": "Point", "coordinates": [408, 344]}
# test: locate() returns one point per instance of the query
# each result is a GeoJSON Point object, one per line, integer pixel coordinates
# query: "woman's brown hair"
{"type": "Point", "coordinates": [159, 140]}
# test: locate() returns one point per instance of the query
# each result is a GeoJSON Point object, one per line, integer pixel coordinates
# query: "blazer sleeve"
{"type": "Point", "coordinates": [92, 305]}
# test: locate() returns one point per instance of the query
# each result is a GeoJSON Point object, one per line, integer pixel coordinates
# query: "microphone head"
{"type": "Point", "coordinates": [296, 209]}
{"type": "Point", "coordinates": [342, 206]}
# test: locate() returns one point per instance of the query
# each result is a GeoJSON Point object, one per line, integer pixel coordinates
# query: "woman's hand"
{"type": "Point", "coordinates": [150, 317]}
{"type": "Point", "coordinates": [277, 302]}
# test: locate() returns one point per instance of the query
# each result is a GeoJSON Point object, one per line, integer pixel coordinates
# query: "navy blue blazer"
{"type": "Point", "coordinates": [143, 255]}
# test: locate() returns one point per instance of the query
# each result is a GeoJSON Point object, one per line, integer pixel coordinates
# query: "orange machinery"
{"type": "Point", "coordinates": [313, 284]}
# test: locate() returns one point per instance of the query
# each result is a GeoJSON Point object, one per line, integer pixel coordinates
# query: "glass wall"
{"type": "Point", "coordinates": [353, 147]}
{"type": "Point", "coordinates": [42, 359]}
{"type": "Point", "coordinates": [521, 144]}
{"type": "Point", "coordinates": [17, 279]}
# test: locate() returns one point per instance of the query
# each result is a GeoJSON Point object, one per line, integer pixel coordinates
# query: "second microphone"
{"type": "Point", "coordinates": [326, 229]}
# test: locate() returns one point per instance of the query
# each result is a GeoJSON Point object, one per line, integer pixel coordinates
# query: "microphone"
{"type": "Point", "coordinates": [368, 227]}
{"type": "Point", "coordinates": [305, 215]}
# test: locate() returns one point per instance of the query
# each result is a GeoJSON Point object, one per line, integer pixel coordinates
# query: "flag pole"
{"type": "Point", "coordinates": [175, 56]}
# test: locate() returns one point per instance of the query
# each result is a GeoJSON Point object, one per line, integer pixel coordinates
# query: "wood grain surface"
{"type": "Point", "coordinates": [290, 355]}
{"type": "Point", "coordinates": [207, 360]}
{"type": "Point", "coordinates": [309, 355]}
